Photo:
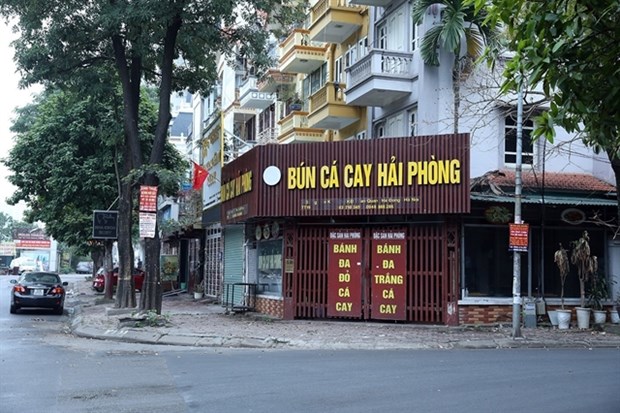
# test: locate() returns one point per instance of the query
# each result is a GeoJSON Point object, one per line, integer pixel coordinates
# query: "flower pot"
{"type": "Point", "coordinates": [553, 318]}
{"type": "Point", "coordinates": [615, 315]}
{"type": "Point", "coordinates": [583, 318]}
{"type": "Point", "coordinates": [563, 319]}
{"type": "Point", "coordinates": [600, 316]}
{"type": "Point", "coordinates": [197, 295]}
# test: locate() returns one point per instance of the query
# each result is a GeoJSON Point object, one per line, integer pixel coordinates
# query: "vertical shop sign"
{"type": "Point", "coordinates": [388, 275]}
{"type": "Point", "coordinates": [344, 284]}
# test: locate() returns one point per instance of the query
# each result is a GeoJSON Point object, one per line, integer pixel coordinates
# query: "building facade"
{"type": "Point", "coordinates": [352, 89]}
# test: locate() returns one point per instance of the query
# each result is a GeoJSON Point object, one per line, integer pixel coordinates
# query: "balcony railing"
{"type": "Point", "coordinates": [250, 97]}
{"type": "Point", "coordinates": [380, 77]}
{"type": "Point", "coordinates": [381, 63]}
{"type": "Point", "coordinates": [268, 135]}
{"type": "Point", "coordinates": [334, 21]}
{"type": "Point", "coordinates": [299, 55]}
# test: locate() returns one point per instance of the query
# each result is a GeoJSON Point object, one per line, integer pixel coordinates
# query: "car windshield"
{"type": "Point", "coordinates": [35, 277]}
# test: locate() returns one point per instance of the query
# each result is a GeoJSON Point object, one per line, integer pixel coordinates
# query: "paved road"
{"type": "Point", "coordinates": [44, 369]}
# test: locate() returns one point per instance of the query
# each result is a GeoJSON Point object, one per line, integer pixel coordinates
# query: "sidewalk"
{"type": "Point", "coordinates": [199, 323]}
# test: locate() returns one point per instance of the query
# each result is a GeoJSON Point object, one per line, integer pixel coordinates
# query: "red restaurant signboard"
{"type": "Point", "coordinates": [344, 292]}
{"type": "Point", "coordinates": [388, 275]}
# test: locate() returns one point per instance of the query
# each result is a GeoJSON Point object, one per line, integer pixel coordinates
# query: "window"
{"type": "Point", "coordinates": [413, 123]}
{"type": "Point", "coordinates": [315, 81]}
{"type": "Point", "coordinates": [395, 125]}
{"type": "Point", "coordinates": [380, 130]}
{"type": "Point", "coordinates": [488, 270]}
{"type": "Point", "coordinates": [362, 46]}
{"type": "Point", "coordinates": [338, 78]}
{"type": "Point", "coordinates": [527, 146]}
{"type": "Point", "coordinates": [382, 37]}
{"type": "Point", "coordinates": [415, 33]}
{"type": "Point", "coordinates": [270, 267]}
{"type": "Point", "coordinates": [361, 135]}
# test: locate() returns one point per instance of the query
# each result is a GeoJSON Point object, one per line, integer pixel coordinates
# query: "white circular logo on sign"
{"type": "Point", "coordinates": [272, 175]}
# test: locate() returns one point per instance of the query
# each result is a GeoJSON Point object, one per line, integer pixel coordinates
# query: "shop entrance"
{"type": "Point", "coordinates": [406, 273]}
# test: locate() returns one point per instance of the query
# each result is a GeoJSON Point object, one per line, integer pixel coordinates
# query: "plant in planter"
{"type": "Point", "coordinates": [598, 292]}
{"type": "Point", "coordinates": [587, 265]}
{"type": "Point", "coordinates": [615, 311]}
{"type": "Point", "coordinates": [199, 289]}
{"type": "Point", "coordinates": [561, 260]}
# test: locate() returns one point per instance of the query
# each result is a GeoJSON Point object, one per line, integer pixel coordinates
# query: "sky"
{"type": "Point", "coordinates": [10, 98]}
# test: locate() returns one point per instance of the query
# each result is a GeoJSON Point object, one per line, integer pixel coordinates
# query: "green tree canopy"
{"type": "Point", "coordinates": [65, 156]}
{"type": "Point", "coordinates": [174, 45]}
{"type": "Point", "coordinates": [571, 48]}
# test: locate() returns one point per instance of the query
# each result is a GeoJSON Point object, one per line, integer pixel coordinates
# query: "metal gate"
{"type": "Point", "coordinates": [431, 274]}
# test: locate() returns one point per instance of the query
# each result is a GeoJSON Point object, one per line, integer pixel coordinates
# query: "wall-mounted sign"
{"type": "Point", "coordinates": [344, 283]}
{"type": "Point", "coordinates": [573, 216]}
{"type": "Point", "coordinates": [389, 275]}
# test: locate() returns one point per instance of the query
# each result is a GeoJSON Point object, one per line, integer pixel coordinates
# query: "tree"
{"type": "Point", "coordinates": [460, 31]}
{"type": "Point", "coordinates": [173, 45]}
{"type": "Point", "coordinates": [61, 166]}
{"type": "Point", "coordinates": [571, 49]}
{"type": "Point", "coordinates": [64, 162]}
{"type": "Point", "coordinates": [8, 225]}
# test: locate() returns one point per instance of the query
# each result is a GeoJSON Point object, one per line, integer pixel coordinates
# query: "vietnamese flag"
{"type": "Point", "coordinates": [200, 174]}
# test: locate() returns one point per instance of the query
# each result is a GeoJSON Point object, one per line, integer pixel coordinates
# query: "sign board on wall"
{"type": "Point", "coordinates": [344, 285]}
{"type": "Point", "coordinates": [388, 275]}
{"type": "Point", "coordinates": [105, 224]}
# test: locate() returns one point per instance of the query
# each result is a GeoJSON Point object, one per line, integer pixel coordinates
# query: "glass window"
{"type": "Point", "coordinates": [527, 147]}
{"type": "Point", "coordinates": [270, 267]}
{"type": "Point", "coordinates": [489, 269]}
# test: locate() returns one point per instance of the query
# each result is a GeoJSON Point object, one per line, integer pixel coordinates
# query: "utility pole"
{"type": "Point", "coordinates": [516, 269]}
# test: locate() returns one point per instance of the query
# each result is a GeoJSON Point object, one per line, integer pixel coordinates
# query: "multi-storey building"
{"type": "Point", "coordinates": [384, 210]}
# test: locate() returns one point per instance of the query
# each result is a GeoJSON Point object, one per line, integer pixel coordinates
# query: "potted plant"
{"type": "Point", "coordinates": [562, 316]}
{"type": "Point", "coordinates": [615, 310]}
{"type": "Point", "coordinates": [597, 293]}
{"type": "Point", "coordinates": [587, 265]}
{"type": "Point", "coordinates": [199, 289]}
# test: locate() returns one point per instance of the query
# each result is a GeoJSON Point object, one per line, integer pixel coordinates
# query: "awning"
{"type": "Point", "coordinates": [549, 199]}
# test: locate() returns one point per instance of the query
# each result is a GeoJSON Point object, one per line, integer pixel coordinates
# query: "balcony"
{"type": "Point", "coordinates": [294, 129]}
{"type": "Point", "coordinates": [380, 78]}
{"type": "Point", "coordinates": [299, 55]}
{"type": "Point", "coordinates": [334, 21]}
{"type": "Point", "coordinates": [273, 79]}
{"type": "Point", "coordinates": [250, 97]}
{"type": "Point", "coordinates": [376, 3]}
{"type": "Point", "coordinates": [267, 136]}
{"type": "Point", "coordinates": [328, 109]}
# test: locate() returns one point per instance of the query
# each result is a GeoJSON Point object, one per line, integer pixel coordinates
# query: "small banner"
{"type": "Point", "coordinates": [148, 223]}
{"type": "Point", "coordinates": [148, 198]}
{"type": "Point", "coordinates": [519, 237]}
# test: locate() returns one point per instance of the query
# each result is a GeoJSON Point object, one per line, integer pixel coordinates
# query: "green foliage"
{"type": "Point", "coordinates": [571, 49]}
{"type": "Point", "coordinates": [459, 22]}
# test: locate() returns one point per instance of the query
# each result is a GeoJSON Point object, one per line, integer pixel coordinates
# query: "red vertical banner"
{"type": "Point", "coordinates": [344, 284]}
{"type": "Point", "coordinates": [388, 275]}
{"type": "Point", "coordinates": [148, 198]}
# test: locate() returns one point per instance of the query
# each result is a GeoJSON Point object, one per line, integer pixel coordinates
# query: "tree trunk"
{"type": "Point", "coordinates": [456, 90]}
{"type": "Point", "coordinates": [125, 294]}
{"type": "Point", "coordinates": [151, 295]}
{"type": "Point", "coordinates": [107, 270]}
